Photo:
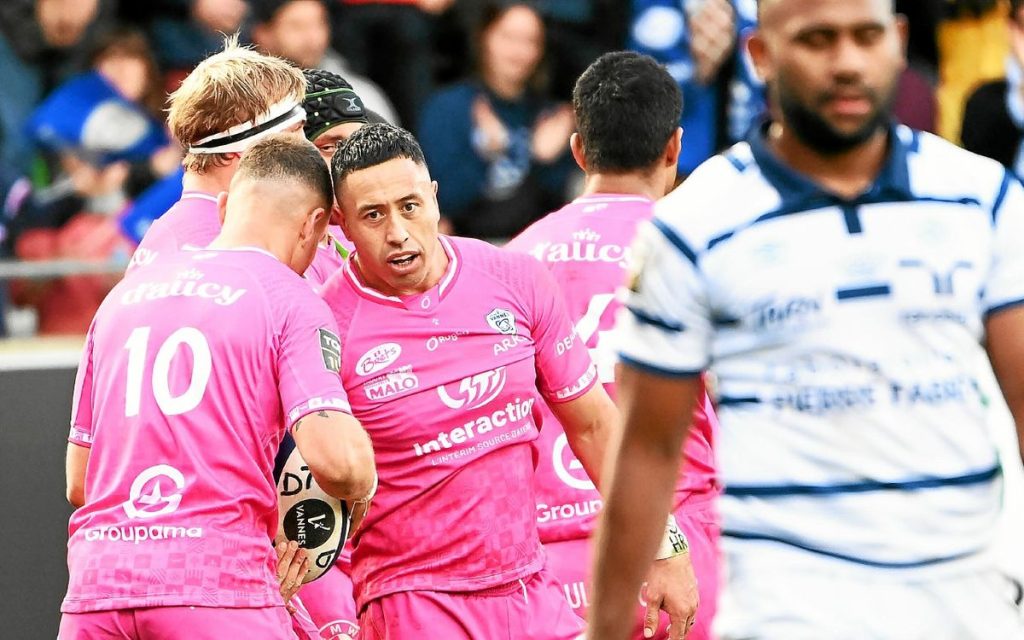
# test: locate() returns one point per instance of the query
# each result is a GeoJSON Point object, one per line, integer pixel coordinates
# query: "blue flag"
{"type": "Point", "coordinates": [89, 118]}
{"type": "Point", "coordinates": [150, 205]}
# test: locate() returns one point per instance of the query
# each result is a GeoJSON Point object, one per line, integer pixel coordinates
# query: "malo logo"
{"type": "Point", "coordinates": [378, 358]}
{"type": "Point", "coordinates": [502, 321]}
{"type": "Point", "coordinates": [473, 392]}
{"type": "Point", "coordinates": [392, 384]}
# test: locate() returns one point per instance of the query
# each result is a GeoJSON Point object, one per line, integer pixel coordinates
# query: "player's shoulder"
{"type": "Point", "coordinates": [724, 192]}
{"type": "Point", "coordinates": [487, 261]}
{"type": "Point", "coordinates": [939, 168]}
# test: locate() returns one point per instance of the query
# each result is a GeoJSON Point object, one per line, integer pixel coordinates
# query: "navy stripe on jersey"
{"type": "Point", "coordinates": [676, 241]}
{"type": "Point", "coordinates": [743, 535]}
{"type": "Point", "coordinates": [732, 401]}
{"type": "Point", "coordinates": [872, 291]}
{"type": "Point", "coordinates": [829, 204]}
{"type": "Point", "coordinates": [916, 484]}
{"type": "Point", "coordinates": [1004, 186]}
{"type": "Point", "coordinates": [1003, 307]}
{"type": "Point", "coordinates": [658, 370]}
{"type": "Point", "coordinates": [645, 318]}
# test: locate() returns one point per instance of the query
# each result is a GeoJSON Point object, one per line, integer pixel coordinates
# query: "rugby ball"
{"type": "Point", "coordinates": [306, 514]}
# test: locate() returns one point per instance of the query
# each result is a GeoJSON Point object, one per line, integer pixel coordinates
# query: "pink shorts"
{"type": "Point", "coordinates": [569, 561]}
{"type": "Point", "coordinates": [174, 623]}
{"type": "Point", "coordinates": [529, 609]}
{"type": "Point", "coordinates": [328, 602]}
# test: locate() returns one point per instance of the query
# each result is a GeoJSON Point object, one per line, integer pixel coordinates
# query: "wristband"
{"type": "Point", "coordinates": [674, 543]}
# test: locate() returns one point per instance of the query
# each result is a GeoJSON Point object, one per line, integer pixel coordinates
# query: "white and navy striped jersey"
{"type": "Point", "coordinates": [845, 336]}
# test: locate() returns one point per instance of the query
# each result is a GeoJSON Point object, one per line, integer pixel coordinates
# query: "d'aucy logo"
{"type": "Point", "coordinates": [154, 492]}
{"type": "Point", "coordinates": [474, 391]}
{"type": "Point", "coordinates": [502, 321]}
{"type": "Point", "coordinates": [378, 358]}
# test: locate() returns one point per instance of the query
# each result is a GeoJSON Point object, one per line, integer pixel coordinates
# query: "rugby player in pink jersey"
{"type": "Point", "coordinates": [628, 139]}
{"type": "Point", "coordinates": [450, 346]}
{"type": "Point", "coordinates": [192, 371]}
{"type": "Point", "coordinates": [228, 102]}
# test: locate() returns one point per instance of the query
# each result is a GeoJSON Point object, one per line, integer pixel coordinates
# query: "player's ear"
{"type": "Point", "coordinates": [576, 145]}
{"type": "Point", "coordinates": [222, 206]}
{"type": "Point", "coordinates": [673, 148]}
{"type": "Point", "coordinates": [315, 225]}
{"type": "Point", "coordinates": [758, 50]}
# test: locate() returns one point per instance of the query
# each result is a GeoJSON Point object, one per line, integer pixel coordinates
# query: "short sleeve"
{"type": "Point", "coordinates": [309, 358]}
{"type": "Point", "coordinates": [664, 326]}
{"type": "Point", "coordinates": [564, 368]}
{"type": "Point", "coordinates": [1004, 286]}
{"type": "Point", "coordinates": [81, 403]}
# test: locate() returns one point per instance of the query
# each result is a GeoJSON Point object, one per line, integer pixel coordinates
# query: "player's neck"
{"type": "Point", "coordinates": [213, 181]}
{"type": "Point", "coordinates": [846, 174]}
{"type": "Point", "coordinates": [649, 186]}
{"type": "Point", "coordinates": [247, 235]}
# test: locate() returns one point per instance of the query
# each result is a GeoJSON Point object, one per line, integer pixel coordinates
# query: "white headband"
{"type": "Point", "coordinates": [240, 137]}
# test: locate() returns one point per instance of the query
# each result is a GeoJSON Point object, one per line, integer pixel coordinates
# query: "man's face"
{"type": "Point", "coordinates": [327, 142]}
{"type": "Point", "coordinates": [300, 33]}
{"type": "Point", "coordinates": [389, 211]}
{"type": "Point", "coordinates": [832, 67]}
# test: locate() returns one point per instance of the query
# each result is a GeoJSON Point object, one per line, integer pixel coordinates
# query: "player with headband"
{"type": "Point", "coordinates": [230, 101]}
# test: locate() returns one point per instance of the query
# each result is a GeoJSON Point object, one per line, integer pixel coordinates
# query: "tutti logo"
{"type": "Point", "coordinates": [473, 392]}
{"type": "Point", "coordinates": [155, 492]}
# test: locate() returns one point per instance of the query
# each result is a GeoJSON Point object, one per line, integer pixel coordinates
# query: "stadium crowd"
{"type": "Point", "coordinates": [485, 93]}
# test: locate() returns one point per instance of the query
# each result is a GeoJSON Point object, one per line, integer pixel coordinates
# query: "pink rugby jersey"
{"type": "Point", "coordinates": [586, 245]}
{"type": "Point", "coordinates": [192, 222]}
{"type": "Point", "coordinates": [449, 384]}
{"type": "Point", "coordinates": [191, 370]}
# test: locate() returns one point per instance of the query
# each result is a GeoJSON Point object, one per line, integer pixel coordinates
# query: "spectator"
{"type": "Point", "coordinates": [42, 42]}
{"type": "Point", "coordinates": [183, 32]}
{"type": "Point", "coordinates": [494, 142]}
{"type": "Point", "coordinates": [993, 123]}
{"type": "Point", "coordinates": [391, 41]}
{"type": "Point", "coordinates": [300, 31]}
{"type": "Point", "coordinates": [703, 45]}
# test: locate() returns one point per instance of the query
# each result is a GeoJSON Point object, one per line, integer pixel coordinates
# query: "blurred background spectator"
{"type": "Point", "coordinates": [495, 143]}
{"type": "Point", "coordinates": [993, 123]}
{"type": "Point", "coordinates": [391, 42]}
{"type": "Point", "coordinates": [702, 42]}
{"type": "Point", "coordinates": [300, 31]}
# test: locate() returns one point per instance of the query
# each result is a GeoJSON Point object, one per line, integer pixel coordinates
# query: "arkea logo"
{"type": "Point", "coordinates": [474, 391]}
{"type": "Point", "coordinates": [392, 384]}
{"type": "Point", "coordinates": [378, 358]}
{"type": "Point", "coordinates": [155, 492]}
{"type": "Point", "coordinates": [502, 321]}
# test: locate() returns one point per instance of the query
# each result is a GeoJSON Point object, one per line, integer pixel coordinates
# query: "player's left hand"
{"type": "Point", "coordinates": [292, 566]}
{"type": "Point", "coordinates": [672, 587]}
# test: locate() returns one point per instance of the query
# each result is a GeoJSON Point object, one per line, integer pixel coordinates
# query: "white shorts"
{"type": "Point", "coordinates": [773, 592]}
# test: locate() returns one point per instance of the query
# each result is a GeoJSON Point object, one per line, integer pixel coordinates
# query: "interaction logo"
{"type": "Point", "coordinates": [155, 492]}
{"type": "Point", "coordinates": [474, 391]}
{"type": "Point", "coordinates": [502, 321]}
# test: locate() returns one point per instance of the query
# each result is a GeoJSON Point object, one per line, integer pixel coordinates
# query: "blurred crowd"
{"type": "Point", "coordinates": [484, 85]}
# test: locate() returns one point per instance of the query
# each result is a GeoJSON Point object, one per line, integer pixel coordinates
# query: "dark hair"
{"type": "Point", "coordinates": [132, 43]}
{"type": "Point", "coordinates": [371, 145]}
{"type": "Point", "coordinates": [285, 157]}
{"type": "Point", "coordinates": [1015, 7]}
{"type": "Point", "coordinates": [491, 12]}
{"type": "Point", "coordinates": [627, 108]}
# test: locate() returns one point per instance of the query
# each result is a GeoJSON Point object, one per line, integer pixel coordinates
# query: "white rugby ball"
{"type": "Point", "coordinates": [306, 514]}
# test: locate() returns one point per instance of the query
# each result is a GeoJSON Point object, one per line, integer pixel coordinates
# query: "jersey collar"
{"type": "Point", "coordinates": [892, 182]}
{"type": "Point", "coordinates": [421, 301]}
